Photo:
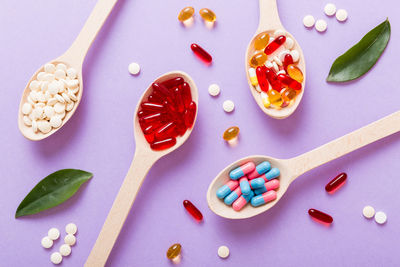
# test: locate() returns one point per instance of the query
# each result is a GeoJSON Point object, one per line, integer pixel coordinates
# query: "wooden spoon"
{"type": "Point", "coordinates": [144, 158]}
{"type": "Point", "coordinates": [294, 167]}
{"type": "Point", "coordinates": [270, 22]}
{"type": "Point", "coordinates": [74, 58]}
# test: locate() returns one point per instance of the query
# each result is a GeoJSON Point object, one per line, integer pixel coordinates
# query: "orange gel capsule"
{"type": "Point", "coordinates": [208, 15]}
{"type": "Point", "coordinates": [295, 73]}
{"type": "Point", "coordinates": [261, 41]}
{"type": "Point", "coordinates": [186, 14]}
{"type": "Point", "coordinates": [275, 98]}
{"type": "Point", "coordinates": [258, 59]}
{"type": "Point", "coordinates": [288, 94]}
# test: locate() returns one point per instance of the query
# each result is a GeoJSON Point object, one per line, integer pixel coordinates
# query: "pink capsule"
{"type": "Point", "coordinates": [268, 186]}
{"type": "Point", "coordinates": [242, 170]}
{"type": "Point", "coordinates": [263, 199]}
{"type": "Point", "coordinates": [242, 201]}
{"type": "Point", "coordinates": [227, 188]}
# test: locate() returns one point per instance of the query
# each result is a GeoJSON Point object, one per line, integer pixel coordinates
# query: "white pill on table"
{"type": "Point", "coordinates": [134, 68]}
{"type": "Point", "coordinates": [228, 105]}
{"type": "Point", "coordinates": [295, 55]}
{"type": "Point", "coordinates": [40, 97]}
{"type": "Point", "coordinates": [59, 107]}
{"type": "Point", "coordinates": [380, 217]}
{"type": "Point", "coordinates": [368, 212]}
{"type": "Point", "coordinates": [60, 74]}
{"type": "Point", "coordinates": [321, 25]}
{"type": "Point", "coordinates": [37, 112]}
{"type": "Point", "coordinates": [341, 15]}
{"type": "Point", "coordinates": [26, 108]}
{"type": "Point", "coordinates": [223, 252]}
{"type": "Point", "coordinates": [72, 73]}
{"type": "Point", "coordinates": [289, 43]}
{"type": "Point", "coordinates": [56, 258]}
{"type": "Point", "coordinates": [55, 121]}
{"type": "Point", "coordinates": [214, 89]}
{"type": "Point", "coordinates": [308, 21]}
{"type": "Point", "coordinates": [47, 242]}
{"type": "Point", "coordinates": [34, 85]}
{"type": "Point", "coordinates": [49, 68]}
{"type": "Point", "coordinates": [53, 233]}
{"type": "Point", "coordinates": [70, 239]}
{"type": "Point", "coordinates": [71, 228]}
{"type": "Point", "coordinates": [44, 85]}
{"type": "Point", "coordinates": [65, 250]}
{"type": "Point", "coordinates": [27, 121]}
{"type": "Point", "coordinates": [61, 66]}
{"type": "Point", "coordinates": [44, 126]}
{"type": "Point", "coordinates": [330, 9]}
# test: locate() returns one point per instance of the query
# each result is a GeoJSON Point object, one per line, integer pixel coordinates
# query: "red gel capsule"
{"type": "Point", "coordinates": [193, 210]}
{"type": "Point", "coordinates": [143, 113]}
{"type": "Point", "coordinates": [155, 99]}
{"type": "Point", "coordinates": [273, 80]}
{"type": "Point", "coordinates": [336, 183]}
{"type": "Point", "coordinates": [152, 117]}
{"type": "Point", "coordinates": [320, 216]}
{"type": "Point", "coordinates": [180, 128]}
{"type": "Point", "coordinates": [152, 107]}
{"type": "Point", "coordinates": [275, 44]}
{"type": "Point", "coordinates": [201, 53]}
{"type": "Point", "coordinates": [163, 144]}
{"type": "Point", "coordinates": [174, 82]}
{"type": "Point", "coordinates": [161, 89]}
{"type": "Point", "coordinates": [291, 83]}
{"type": "Point", "coordinates": [287, 60]}
{"type": "Point", "coordinates": [166, 131]}
{"type": "Point", "coordinates": [179, 99]}
{"type": "Point", "coordinates": [149, 137]}
{"type": "Point", "coordinates": [186, 94]}
{"type": "Point", "coordinates": [262, 78]}
{"type": "Point", "coordinates": [190, 114]}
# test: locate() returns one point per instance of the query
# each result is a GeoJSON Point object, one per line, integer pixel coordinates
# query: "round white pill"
{"type": "Point", "coordinates": [214, 89]}
{"type": "Point", "coordinates": [71, 228]}
{"type": "Point", "coordinates": [59, 98]}
{"type": "Point", "coordinates": [53, 234]}
{"type": "Point", "coordinates": [44, 127]}
{"type": "Point", "coordinates": [49, 111]}
{"type": "Point", "coordinates": [70, 106]}
{"type": "Point", "coordinates": [223, 252]}
{"type": "Point", "coordinates": [49, 68]}
{"type": "Point", "coordinates": [341, 15]}
{"type": "Point", "coordinates": [55, 121]}
{"type": "Point", "coordinates": [289, 43]}
{"type": "Point", "coordinates": [228, 105]}
{"type": "Point", "coordinates": [368, 212]}
{"type": "Point", "coordinates": [59, 107]}
{"type": "Point", "coordinates": [47, 242]}
{"type": "Point", "coordinates": [295, 55]}
{"type": "Point", "coordinates": [27, 121]}
{"type": "Point", "coordinates": [60, 74]}
{"type": "Point", "coordinates": [56, 258]}
{"type": "Point", "coordinates": [308, 21]}
{"type": "Point", "coordinates": [72, 73]}
{"type": "Point", "coordinates": [134, 68]}
{"type": "Point", "coordinates": [26, 108]}
{"type": "Point", "coordinates": [34, 85]}
{"type": "Point", "coordinates": [34, 126]}
{"type": "Point", "coordinates": [380, 217]}
{"type": "Point", "coordinates": [40, 76]}
{"type": "Point", "coordinates": [321, 25]}
{"type": "Point", "coordinates": [330, 9]}
{"type": "Point", "coordinates": [279, 32]}
{"type": "Point", "coordinates": [61, 66]}
{"type": "Point", "coordinates": [52, 101]}
{"type": "Point", "coordinates": [70, 239]}
{"type": "Point", "coordinates": [65, 250]}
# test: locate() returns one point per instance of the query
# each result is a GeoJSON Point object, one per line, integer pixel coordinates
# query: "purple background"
{"type": "Point", "coordinates": [99, 138]}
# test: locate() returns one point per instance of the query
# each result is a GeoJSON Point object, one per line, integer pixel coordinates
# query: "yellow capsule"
{"type": "Point", "coordinates": [253, 77]}
{"type": "Point", "coordinates": [261, 41]}
{"type": "Point", "coordinates": [258, 59]}
{"type": "Point", "coordinates": [295, 73]}
{"type": "Point", "coordinates": [288, 94]}
{"type": "Point", "coordinates": [208, 15]}
{"type": "Point", "coordinates": [186, 13]}
{"type": "Point", "coordinates": [265, 100]}
{"type": "Point", "coordinates": [275, 98]}
{"type": "Point", "coordinates": [174, 251]}
{"type": "Point", "coordinates": [231, 133]}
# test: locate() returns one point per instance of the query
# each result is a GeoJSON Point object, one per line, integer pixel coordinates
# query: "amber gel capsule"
{"type": "Point", "coordinates": [336, 183]}
{"type": "Point", "coordinates": [174, 251]}
{"type": "Point", "coordinates": [320, 216]}
{"type": "Point", "coordinates": [193, 210]}
{"type": "Point", "coordinates": [231, 133]}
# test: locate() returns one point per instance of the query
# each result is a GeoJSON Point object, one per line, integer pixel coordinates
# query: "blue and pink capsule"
{"type": "Point", "coordinates": [257, 183]}
{"type": "Point", "coordinates": [242, 201]}
{"type": "Point", "coordinates": [227, 188]}
{"type": "Point", "coordinates": [242, 170]}
{"type": "Point", "coordinates": [244, 185]}
{"type": "Point", "coordinates": [272, 174]}
{"type": "Point", "coordinates": [260, 169]}
{"type": "Point", "coordinates": [229, 199]}
{"type": "Point", "coordinates": [271, 185]}
{"type": "Point", "coordinates": [263, 199]}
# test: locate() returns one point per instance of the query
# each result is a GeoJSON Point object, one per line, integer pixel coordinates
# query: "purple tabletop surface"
{"type": "Point", "coordinates": [99, 138]}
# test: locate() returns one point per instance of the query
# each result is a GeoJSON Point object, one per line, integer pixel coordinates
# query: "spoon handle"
{"type": "Point", "coordinates": [346, 144]}
{"type": "Point", "coordinates": [82, 43]}
{"type": "Point", "coordinates": [269, 16]}
{"type": "Point", "coordinates": [119, 210]}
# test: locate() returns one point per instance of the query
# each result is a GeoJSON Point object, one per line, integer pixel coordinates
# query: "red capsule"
{"type": "Point", "coordinates": [336, 183]}
{"type": "Point", "coordinates": [291, 83]}
{"type": "Point", "coordinates": [155, 99]}
{"type": "Point", "coordinates": [163, 144]}
{"type": "Point", "coordinates": [152, 107]}
{"type": "Point", "coordinates": [273, 80]}
{"type": "Point", "coordinates": [178, 94]}
{"type": "Point", "coordinates": [275, 44]}
{"type": "Point", "coordinates": [149, 137]}
{"type": "Point", "coordinates": [186, 94]}
{"type": "Point", "coordinates": [174, 82]}
{"type": "Point", "coordinates": [320, 216]}
{"type": "Point", "coordinates": [152, 117]}
{"type": "Point", "coordinates": [196, 214]}
{"type": "Point", "coordinates": [157, 87]}
{"type": "Point", "coordinates": [143, 113]}
{"type": "Point", "coordinates": [190, 114]}
{"type": "Point", "coordinates": [262, 78]}
{"type": "Point", "coordinates": [201, 53]}
{"type": "Point", "coordinates": [180, 127]}
{"type": "Point", "coordinates": [165, 131]}
{"type": "Point", "coordinates": [287, 60]}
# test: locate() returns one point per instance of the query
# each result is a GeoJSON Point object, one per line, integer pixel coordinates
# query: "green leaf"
{"type": "Point", "coordinates": [361, 57]}
{"type": "Point", "coordinates": [52, 191]}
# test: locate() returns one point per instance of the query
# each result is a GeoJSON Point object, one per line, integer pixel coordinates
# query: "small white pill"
{"type": "Point", "coordinates": [214, 89]}
{"type": "Point", "coordinates": [277, 61]}
{"type": "Point", "coordinates": [49, 68]}
{"type": "Point", "coordinates": [60, 74]}
{"type": "Point", "coordinates": [71, 228]}
{"type": "Point", "coordinates": [61, 66]}
{"type": "Point", "coordinates": [49, 77]}
{"type": "Point", "coordinates": [341, 15]}
{"type": "Point", "coordinates": [69, 106]}
{"type": "Point", "coordinates": [321, 25]}
{"type": "Point", "coordinates": [75, 90]}
{"type": "Point", "coordinates": [59, 98]}
{"type": "Point", "coordinates": [66, 97]}
{"type": "Point", "coordinates": [72, 96]}
{"type": "Point", "coordinates": [268, 64]}
{"type": "Point", "coordinates": [308, 21]}
{"type": "Point", "coordinates": [228, 105]}
{"type": "Point", "coordinates": [380, 217]}
{"type": "Point", "coordinates": [52, 101]}
{"type": "Point", "coordinates": [281, 72]}
{"type": "Point", "coordinates": [44, 86]}
{"type": "Point", "coordinates": [55, 121]}
{"type": "Point", "coordinates": [40, 97]}
{"type": "Point", "coordinates": [223, 252]}
{"type": "Point", "coordinates": [59, 107]}
{"type": "Point", "coordinates": [53, 88]}
{"type": "Point", "coordinates": [289, 43]}
{"type": "Point", "coordinates": [56, 258]}
{"type": "Point", "coordinates": [49, 111]}
{"type": "Point", "coordinates": [47, 95]}
{"type": "Point", "coordinates": [279, 32]}
{"type": "Point", "coordinates": [70, 239]}
{"type": "Point", "coordinates": [72, 73]}
{"type": "Point", "coordinates": [34, 85]}
{"type": "Point", "coordinates": [26, 108]}
{"type": "Point", "coordinates": [37, 112]}
{"type": "Point", "coordinates": [34, 126]}
{"type": "Point", "coordinates": [30, 101]}
{"type": "Point", "coordinates": [44, 127]}
{"type": "Point", "coordinates": [295, 55]}
{"type": "Point", "coordinates": [330, 9]}
{"type": "Point", "coordinates": [275, 66]}
{"type": "Point", "coordinates": [47, 242]}
{"type": "Point", "coordinates": [134, 68]}
{"type": "Point", "coordinates": [40, 76]}
{"type": "Point", "coordinates": [72, 84]}
{"type": "Point", "coordinates": [282, 55]}
{"type": "Point", "coordinates": [53, 233]}
{"type": "Point", "coordinates": [27, 121]}
{"type": "Point", "coordinates": [65, 250]}
{"type": "Point", "coordinates": [40, 105]}
{"type": "Point", "coordinates": [368, 212]}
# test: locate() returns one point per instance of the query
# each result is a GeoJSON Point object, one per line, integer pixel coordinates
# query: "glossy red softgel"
{"type": "Point", "coordinates": [201, 53]}
{"type": "Point", "coordinates": [196, 214]}
{"type": "Point", "coordinates": [336, 183]}
{"type": "Point", "coordinates": [320, 216]}
{"type": "Point", "coordinates": [168, 112]}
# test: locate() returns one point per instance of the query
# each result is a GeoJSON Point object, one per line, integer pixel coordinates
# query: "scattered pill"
{"type": "Point", "coordinates": [308, 21]}
{"type": "Point", "coordinates": [231, 133]}
{"type": "Point", "coordinates": [368, 212]}
{"type": "Point", "coordinates": [134, 68]}
{"type": "Point", "coordinates": [186, 14]}
{"type": "Point", "coordinates": [47, 242]}
{"type": "Point", "coordinates": [341, 15]}
{"type": "Point", "coordinates": [320, 216]}
{"type": "Point", "coordinates": [228, 106]}
{"type": "Point", "coordinates": [336, 183]}
{"type": "Point", "coordinates": [195, 212]}
{"type": "Point", "coordinates": [53, 234]}
{"type": "Point", "coordinates": [56, 258]}
{"type": "Point", "coordinates": [70, 239]}
{"type": "Point", "coordinates": [321, 25]}
{"type": "Point", "coordinates": [201, 53]}
{"type": "Point", "coordinates": [380, 217]}
{"type": "Point", "coordinates": [208, 15]}
{"type": "Point", "coordinates": [65, 250]}
{"type": "Point", "coordinates": [330, 9]}
{"type": "Point", "coordinates": [71, 228]}
{"type": "Point", "coordinates": [214, 89]}
{"type": "Point", "coordinates": [223, 252]}
{"type": "Point", "coordinates": [174, 251]}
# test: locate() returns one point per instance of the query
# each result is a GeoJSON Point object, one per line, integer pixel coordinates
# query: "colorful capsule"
{"type": "Point", "coordinates": [174, 251]}
{"type": "Point", "coordinates": [229, 199]}
{"type": "Point", "coordinates": [227, 188]}
{"type": "Point", "coordinates": [272, 174]}
{"type": "Point", "coordinates": [287, 60]}
{"type": "Point", "coordinates": [258, 59]}
{"type": "Point", "coordinates": [271, 185]}
{"type": "Point", "coordinates": [320, 216]}
{"type": "Point", "coordinates": [186, 14]}
{"type": "Point", "coordinates": [275, 44]}
{"type": "Point", "coordinates": [273, 79]}
{"type": "Point", "coordinates": [208, 15]}
{"type": "Point", "coordinates": [261, 41]}
{"type": "Point", "coordinates": [257, 183]}
{"type": "Point", "coordinates": [265, 100]}
{"type": "Point", "coordinates": [289, 81]}
{"type": "Point", "coordinates": [295, 73]}
{"type": "Point", "coordinates": [242, 201]}
{"type": "Point", "coordinates": [196, 214]}
{"type": "Point", "coordinates": [288, 94]}
{"type": "Point", "coordinates": [253, 77]}
{"type": "Point", "coordinates": [275, 98]}
{"type": "Point", "coordinates": [201, 53]}
{"type": "Point", "coordinates": [260, 169]}
{"type": "Point", "coordinates": [336, 183]}
{"type": "Point", "coordinates": [242, 170]}
{"type": "Point", "coordinates": [244, 185]}
{"type": "Point", "coordinates": [263, 199]}
{"type": "Point", "coordinates": [231, 133]}
{"type": "Point", "coordinates": [163, 144]}
{"type": "Point", "coordinates": [262, 78]}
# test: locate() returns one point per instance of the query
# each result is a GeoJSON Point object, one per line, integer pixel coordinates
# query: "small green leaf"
{"type": "Point", "coordinates": [52, 191]}
{"type": "Point", "coordinates": [361, 57]}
